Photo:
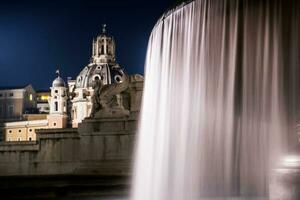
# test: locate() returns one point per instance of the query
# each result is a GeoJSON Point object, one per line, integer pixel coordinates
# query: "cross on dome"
{"type": "Point", "coordinates": [103, 28]}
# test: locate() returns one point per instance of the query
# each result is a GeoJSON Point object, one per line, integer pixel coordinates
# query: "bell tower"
{"type": "Point", "coordinates": [58, 104]}
{"type": "Point", "coordinates": [104, 48]}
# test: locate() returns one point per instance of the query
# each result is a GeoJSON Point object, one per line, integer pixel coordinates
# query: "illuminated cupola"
{"type": "Point", "coordinates": [103, 48]}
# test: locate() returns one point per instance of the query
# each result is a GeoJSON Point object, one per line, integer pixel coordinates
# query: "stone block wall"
{"type": "Point", "coordinates": [98, 147]}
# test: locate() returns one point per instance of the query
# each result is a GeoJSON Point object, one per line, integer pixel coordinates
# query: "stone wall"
{"type": "Point", "coordinates": [98, 147]}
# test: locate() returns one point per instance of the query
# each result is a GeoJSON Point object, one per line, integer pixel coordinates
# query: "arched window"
{"type": "Point", "coordinates": [102, 49]}
{"type": "Point", "coordinates": [56, 106]}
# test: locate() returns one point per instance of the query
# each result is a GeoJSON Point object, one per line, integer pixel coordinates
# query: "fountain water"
{"type": "Point", "coordinates": [215, 105]}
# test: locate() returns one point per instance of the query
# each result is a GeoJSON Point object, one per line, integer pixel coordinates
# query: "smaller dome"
{"type": "Point", "coordinates": [58, 82]}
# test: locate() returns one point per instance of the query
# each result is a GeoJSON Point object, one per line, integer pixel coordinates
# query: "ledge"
{"type": "Point", "coordinates": [108, 133]}
{"type": "Point", "coordinates": [57, 130]}
{"type": "Point", "coordinates": [43, 134]}
{"type": "Point", "coordinates": [19, 146]}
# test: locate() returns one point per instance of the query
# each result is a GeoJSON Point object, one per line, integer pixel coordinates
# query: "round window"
{"type": "Point", "coordinates": [118, 79]}
{"type": "Point", "coordinates": [96, 77]}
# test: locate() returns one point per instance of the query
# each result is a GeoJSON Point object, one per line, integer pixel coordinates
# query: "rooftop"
{"type": "Point", "coordinates": [13, 87]}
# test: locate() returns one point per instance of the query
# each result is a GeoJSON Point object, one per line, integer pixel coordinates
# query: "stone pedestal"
{"type": "Point", "coordinates": [104, 126]}
{"type": "Point", "coordinates": [285, 180]}
{"type": "Point", "coordinates": [106, 145]}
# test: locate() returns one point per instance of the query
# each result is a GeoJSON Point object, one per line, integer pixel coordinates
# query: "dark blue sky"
{"type": "Point", "coordinates": [38, 36]}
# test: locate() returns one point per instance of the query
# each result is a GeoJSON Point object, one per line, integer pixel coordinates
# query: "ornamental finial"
{"type": "Point", "coordinates": [103, 28]}
{"type": "Point", "coordinates": [57, 72]}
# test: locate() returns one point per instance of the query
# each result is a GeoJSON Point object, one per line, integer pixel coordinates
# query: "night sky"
{"type": "Point", "coordinates": [37, 37]}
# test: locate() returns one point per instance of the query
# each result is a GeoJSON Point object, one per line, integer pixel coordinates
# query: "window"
{"type": "Point", "coordinates": [10, 131]}
{"type": "Point", "coordinates": [56, 106]}
{"type": "Point", "coordinates": [118, 78]}
{"type": "Point", "coordinates": [30, 138]}
{"type": "Point", "coordinates": [96, 77]}
{"type": "Point", "coordinates": [30, 97]}
{"type": "Point", "coordinates": [19, 131]}
{"type": "Point", "coordinates": [44, 98]}
{"type": "Point", "coordinates": [19, 139]}
{"type": "Point", "coordinates": [1, 111]}
{"type": "Point", "coordinates": [11, 94]}
{"type": "Point", "coordinates": [102, 49]}
{"type": "Point", "coordinates": [54, 124]}
{"type": "Point", "coordinates": [1, 95]}
{"type": "Point", "coordinates": [56, 91]}
{"type": "Point", "coordinates": [11, 110]}
{"type": "Point", "coordinates": [30, 130]}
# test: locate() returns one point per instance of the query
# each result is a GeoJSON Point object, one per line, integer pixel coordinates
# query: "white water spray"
{"type": "Point", "coordinates": [214, 117]}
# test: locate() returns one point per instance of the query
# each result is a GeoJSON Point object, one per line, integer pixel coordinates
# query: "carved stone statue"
{"type": "Point", "coordinates": [107, 99]}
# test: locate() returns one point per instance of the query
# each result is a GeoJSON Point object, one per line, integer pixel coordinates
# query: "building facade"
{"type": "Point", "coordinates": [69, 104]}
{"type": "Point", "coordinates": [16, 101]}
{"type": "Point", "coordinates": [23, 130]}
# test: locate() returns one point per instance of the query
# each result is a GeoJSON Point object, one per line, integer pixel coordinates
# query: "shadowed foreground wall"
{"type": "Point", "coordinates": [91, 161]}
{"type": "Point", "coordinates": [97, 147]}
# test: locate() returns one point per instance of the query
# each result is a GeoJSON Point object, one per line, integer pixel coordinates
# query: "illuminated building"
{"type": "Point", "coordinates": [42, 98]}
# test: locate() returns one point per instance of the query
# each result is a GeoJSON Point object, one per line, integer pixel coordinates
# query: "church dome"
{"type": "Point", "coordinates": [58, 82]}
{"type": "Point", "coordinates": [107, 73]}
{"type": "Point", "coordinates": [103, 64]}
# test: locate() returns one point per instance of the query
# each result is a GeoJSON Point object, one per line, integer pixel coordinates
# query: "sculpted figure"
{"type": "Point", "coordinates": [98, 84]}
{"type": "Point", "coordinates": [107, 100]}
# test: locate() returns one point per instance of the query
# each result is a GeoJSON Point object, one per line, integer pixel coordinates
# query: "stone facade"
{"type": "Point", "coordinates": [93, 160]}
{"type": "Point", "coordinates": [23, 130]}
{"type": "Point", "coordinates": [97, 147]}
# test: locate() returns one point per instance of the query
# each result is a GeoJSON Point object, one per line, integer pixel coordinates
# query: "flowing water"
{"type": "Point", "coordinates": [219, 98]}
